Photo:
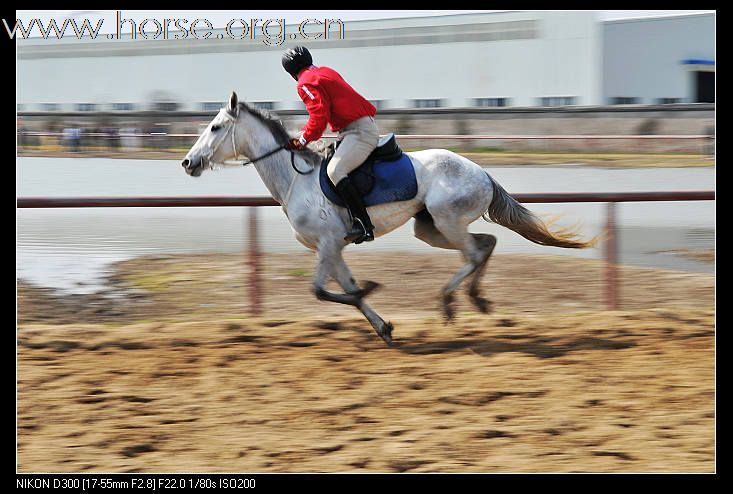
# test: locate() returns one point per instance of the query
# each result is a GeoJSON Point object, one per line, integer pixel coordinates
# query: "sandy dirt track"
{"type": "Point", "coordinates": [530, 388]}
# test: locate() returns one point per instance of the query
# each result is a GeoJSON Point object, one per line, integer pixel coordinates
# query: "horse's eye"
{"type": "Point", "coordinates": [214, 128]}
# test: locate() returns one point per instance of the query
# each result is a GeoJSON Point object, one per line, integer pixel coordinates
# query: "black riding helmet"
{"type": "Point", "coordinates": [296, 59]}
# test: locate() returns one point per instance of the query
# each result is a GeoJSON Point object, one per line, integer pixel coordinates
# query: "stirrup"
{"type": "Point", "coordinates": [367, 237]}
{"type": "Point", "coordinates": [359, 233]}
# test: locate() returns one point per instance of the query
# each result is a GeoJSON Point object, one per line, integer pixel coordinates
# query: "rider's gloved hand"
{"type": "Point", "coordinates": [297, 143]}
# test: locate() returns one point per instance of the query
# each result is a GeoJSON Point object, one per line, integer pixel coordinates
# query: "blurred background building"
{"type": "Point", "coordinates": [520, 72]}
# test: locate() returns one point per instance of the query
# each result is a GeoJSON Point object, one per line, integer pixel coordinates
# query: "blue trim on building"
{"type": "Point", "coordinates": [694, 61]}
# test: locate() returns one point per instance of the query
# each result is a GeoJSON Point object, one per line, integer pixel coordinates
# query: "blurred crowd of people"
{"type": "Point", "coordinates": [78, 138]}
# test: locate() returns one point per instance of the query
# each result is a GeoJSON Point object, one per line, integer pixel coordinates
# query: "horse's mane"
{"type": "Point", "coordinates": [278, 130]}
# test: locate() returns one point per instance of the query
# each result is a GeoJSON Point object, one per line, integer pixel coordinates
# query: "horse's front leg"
{"type": "Point", "coordinates": [331, 264]}
{"type": "Point", "coordinates": [343, 276]}
{"type": "Point", "coordinates": [324, 270]}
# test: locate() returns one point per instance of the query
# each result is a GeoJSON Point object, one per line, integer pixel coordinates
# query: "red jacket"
{"type": "Point", "coordinates": [329, 99]}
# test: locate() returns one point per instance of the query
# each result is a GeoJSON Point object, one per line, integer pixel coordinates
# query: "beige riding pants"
{"type": "Point", "coordinates": [357, 141]}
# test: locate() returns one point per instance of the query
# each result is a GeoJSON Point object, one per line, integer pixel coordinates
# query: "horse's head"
{"type": "Point", "coordinates": [217, 143]}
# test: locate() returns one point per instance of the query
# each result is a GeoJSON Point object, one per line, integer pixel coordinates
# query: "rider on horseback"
{"type": "Point", "coordinates": [329, 99]}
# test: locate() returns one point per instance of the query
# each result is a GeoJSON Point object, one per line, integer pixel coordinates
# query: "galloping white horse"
{"type": "Point", "coordinates": [452, 193]}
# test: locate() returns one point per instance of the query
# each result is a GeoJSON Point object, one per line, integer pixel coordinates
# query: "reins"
{"type": "Point", "coordinates": [248, 162]}
{"type": "Point", "coordinates": [251, 161]}
{"type": "Point", "coordinates": [279, 148]}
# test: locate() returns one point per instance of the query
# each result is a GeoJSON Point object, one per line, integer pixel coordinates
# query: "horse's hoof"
{"type": "Point", "coordinates": [369, 287]}
{"type": "Point", "coordinates": [482, 304]}
{"type": "Point", "coordinates": [386, 332]}
{"type": "Point", "coordinates": [448, 312]}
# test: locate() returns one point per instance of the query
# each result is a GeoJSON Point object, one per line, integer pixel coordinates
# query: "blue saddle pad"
{"type": "Point", "coordinates": [393, 181]}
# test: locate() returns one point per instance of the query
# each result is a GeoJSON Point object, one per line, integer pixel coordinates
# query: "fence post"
{"type": "Point", "coordinates": [253, 255]}
{"type": "Point", "coordinates": [611, 288]}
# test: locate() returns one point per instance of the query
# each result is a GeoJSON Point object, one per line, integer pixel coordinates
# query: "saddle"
{"type": "Point", "coordinates": [386, 175]}
{"type": "Point", "coordinates": [363, 177]}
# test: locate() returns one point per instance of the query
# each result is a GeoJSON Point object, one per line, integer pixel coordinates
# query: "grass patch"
{"type": "Point", "coordinates": [156, 282]}
{"type": "Point", "coordinates": [484, 156]}
{"type": "Point", "coordinates": [498, 157]}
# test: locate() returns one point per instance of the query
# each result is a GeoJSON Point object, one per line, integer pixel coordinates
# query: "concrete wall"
{"type": "Point", "coordinates": [517, 55]}
{"type": "Point", "coordinates": [641, 57]}
{"type": "Point", "coordinates": [520, 55]}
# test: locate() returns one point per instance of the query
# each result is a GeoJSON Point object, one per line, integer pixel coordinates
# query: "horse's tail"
{"type": "Point", "coordinates": [506, 211]}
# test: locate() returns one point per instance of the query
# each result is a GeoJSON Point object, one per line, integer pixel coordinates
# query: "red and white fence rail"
{"type": "Point", "coordinates": [611, 288]}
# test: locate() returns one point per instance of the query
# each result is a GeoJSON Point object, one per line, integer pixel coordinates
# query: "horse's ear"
{"type": "Point", "coordinates": [232, 105]}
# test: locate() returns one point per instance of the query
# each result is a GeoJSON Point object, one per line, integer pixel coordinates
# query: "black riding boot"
{"type": "Point", "coordinates": [362, 229]}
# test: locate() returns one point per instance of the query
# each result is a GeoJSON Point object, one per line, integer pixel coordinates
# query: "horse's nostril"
{"type": "Point", "coordinates": [185, 163]}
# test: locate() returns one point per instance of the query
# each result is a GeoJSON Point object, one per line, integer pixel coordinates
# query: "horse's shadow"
{"type": "Point", "coordinates": [541, 347]}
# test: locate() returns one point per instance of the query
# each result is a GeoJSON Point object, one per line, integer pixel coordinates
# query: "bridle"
{"type": "Point", "coordinates": [236, 162]}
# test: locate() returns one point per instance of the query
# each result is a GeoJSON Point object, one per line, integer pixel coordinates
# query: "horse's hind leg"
{"type": "Point", "coordinates": [486, 242]}
{"type": "Point", "coordinates": [425, 230]}
{"type": "Point", "coordinates": [476, 249]}
{"type": "Point", "coordinates": [474, 259]}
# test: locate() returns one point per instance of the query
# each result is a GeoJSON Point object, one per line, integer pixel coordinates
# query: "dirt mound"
{"type": "Point", "coordinates": [214, 285]}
